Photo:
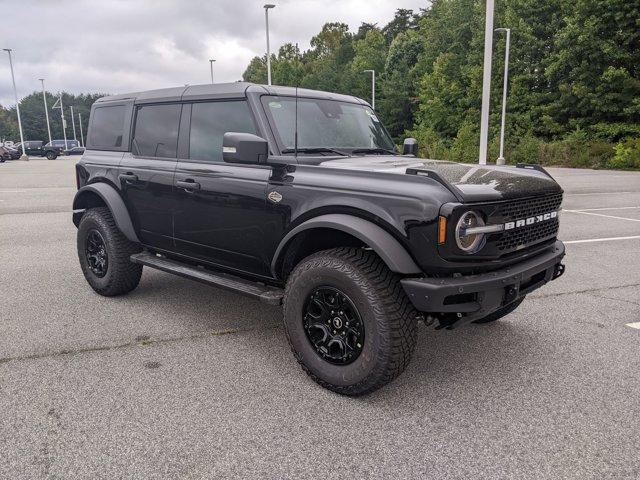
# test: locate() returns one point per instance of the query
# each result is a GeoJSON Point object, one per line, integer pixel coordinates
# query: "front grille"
{"type": "Point", "coordinates": [523, 237]}
{"type": "Point", "coordinates": [528, 208]}
{"type": "Point", "coordinates": [528, 235]}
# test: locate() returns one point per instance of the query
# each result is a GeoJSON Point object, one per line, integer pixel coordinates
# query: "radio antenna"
{"type": "Point", "coordinates": [295, 135]}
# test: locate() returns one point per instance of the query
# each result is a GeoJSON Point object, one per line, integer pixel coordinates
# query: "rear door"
{"type": "Point", "coordinates": [220, 213]}
{"type": "Point", "coordinates": [146, 174]}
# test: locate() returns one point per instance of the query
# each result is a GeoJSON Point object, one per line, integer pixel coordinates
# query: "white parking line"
{"type": "Point", "coordinates": [599, 193]}
{"type": "Point", "coordinates": [609, 239]}
{"type": "Point", "coordinates": [599, 209]}
{"type": "Point", "coordinates": [635, 325]}
{"type": "Point", "coordinates": [601, 215]}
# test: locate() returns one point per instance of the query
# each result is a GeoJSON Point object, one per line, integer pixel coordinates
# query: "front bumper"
{"type": "Point", "coordinates": [462, 299]}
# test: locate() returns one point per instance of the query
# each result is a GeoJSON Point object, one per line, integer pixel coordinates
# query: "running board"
{"type": "Point", "coordinates": [264, 293]}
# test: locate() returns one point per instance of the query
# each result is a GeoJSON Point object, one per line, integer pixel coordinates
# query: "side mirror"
{"type": "Point", "coordinates": [244, 148]}
{"type": "Point", "coordinates": [410, 147]}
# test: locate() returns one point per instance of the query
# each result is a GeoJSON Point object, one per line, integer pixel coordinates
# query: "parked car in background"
{"type": "Point", "coordinates": [72, 146]}
{"type": "Point", "coordinates": [8, 153]}
{"type": "Point", "coordinates": [36, 148]}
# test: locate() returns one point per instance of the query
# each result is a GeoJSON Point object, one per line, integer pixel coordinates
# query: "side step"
{"type": "Point", "coordinates": [265, 293]}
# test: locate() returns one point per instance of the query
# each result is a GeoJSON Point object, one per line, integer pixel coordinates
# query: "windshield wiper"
{"type": "Point", "coordinates": [373, 150]}
{"type": "Point", "coordinates": [315, 150]}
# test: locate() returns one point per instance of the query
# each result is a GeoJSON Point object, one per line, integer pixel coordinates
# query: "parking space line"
{"type": "Point", "coordinates": [600, 209]}
{"type": "Point", "coordinates": [602, 215]}
{"type": "Point", "coordinates": [635, 325]}
{"type": "Point", "coordinates": [598, 193]}
{"type": "Point", "coordinates": [609, 239]}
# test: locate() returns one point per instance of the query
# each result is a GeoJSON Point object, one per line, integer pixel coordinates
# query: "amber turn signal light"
{"type": "Point", "coordinates": [442, 230]}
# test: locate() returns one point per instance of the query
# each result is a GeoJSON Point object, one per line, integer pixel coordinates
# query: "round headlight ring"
{"type": "Point", "coordinates": [470, 243]}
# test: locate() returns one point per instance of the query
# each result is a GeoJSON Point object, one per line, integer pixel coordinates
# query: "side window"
{"type": "Point", "coordinates": [156, 130]}
{"type": "Point", "coordinates": [210, 121]}
{"type": "Point", "coordinates": [107, 127]}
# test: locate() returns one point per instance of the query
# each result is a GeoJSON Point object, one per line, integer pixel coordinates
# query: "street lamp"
{"type": "Point", "coordinates": [15, 94]}
{"type": "Point", "coordinates": [46, 110]}
{"type": "Point", "coordinates": [211, 60]}
{"type": "Point", "coordinates": [500, 160]}
{"type": "Point", "coordinates": [73, 123]}
{"type": "Point", "coordinates": [373, 87]}
{"type": "Point", "coordinates": [486, 82]}
{"type": "Point", "coordinates": [266, 19]}
{"type": "Point", "coordinates": [81, 133]}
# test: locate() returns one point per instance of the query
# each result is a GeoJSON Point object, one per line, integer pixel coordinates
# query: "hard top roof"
{"type": "Point", "coordinates": [222, 91]}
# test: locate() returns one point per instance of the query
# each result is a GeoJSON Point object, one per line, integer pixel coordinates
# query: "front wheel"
{"type": "Point", "coordinates": [104, 254]}
{"type": "Point", "coordinates": [348, 321]}
{"type": "Point", "coordinates": [51, 156]}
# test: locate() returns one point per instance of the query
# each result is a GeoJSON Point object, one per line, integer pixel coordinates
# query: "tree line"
{"type": "Point", "coordinates": [574, 86]}
{"type": "Point", "coordinates": [34, 125]}
{"type": "Point", "coordinates": [574, 83]}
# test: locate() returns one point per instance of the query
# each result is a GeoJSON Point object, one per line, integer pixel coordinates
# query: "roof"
{"type": "Point", "coordinates": [221, 91]}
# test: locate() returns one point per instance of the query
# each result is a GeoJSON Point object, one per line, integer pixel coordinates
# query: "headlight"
{"type": "Point", "coordinates": [469, 243]}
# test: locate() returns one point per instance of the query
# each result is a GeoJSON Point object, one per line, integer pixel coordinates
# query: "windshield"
{"type": "Point", "coordinates": [325, 124]}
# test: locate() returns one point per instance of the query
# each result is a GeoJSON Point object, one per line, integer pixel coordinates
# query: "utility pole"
{"type": "Point", "coordinates": [46, 110]}
{"type": "Point", "coordinates": [59, 105]}
{"type": "Point", "coordinates": [15, 94]}
{"type": "Point", "coordinates": [500, 160]}
{"type": "Point", "coordinates": [211, 60]}
{"type": "Point", "coordinates": [266, 18]}
{"type": "Point", "coordinates": [486, 82]}
{"type": "Point", "coordinates": [73, 122]}
{"type": "Point", "coordinates": [81, 134]}
{"type": "Point", "coordinates": [373, 87]}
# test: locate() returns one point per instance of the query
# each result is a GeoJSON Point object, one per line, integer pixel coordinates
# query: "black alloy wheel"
{"type": "Point", "coordinates": [96, 253]}
{"type": "Point", "coordinates": [333, 325]}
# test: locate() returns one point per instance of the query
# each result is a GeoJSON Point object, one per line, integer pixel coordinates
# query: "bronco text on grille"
{"type": "Point", "coordinates": [528, 222]}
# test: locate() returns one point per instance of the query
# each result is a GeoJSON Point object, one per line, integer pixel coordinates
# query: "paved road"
{"type": "Point", "coordinates": [179, 380]}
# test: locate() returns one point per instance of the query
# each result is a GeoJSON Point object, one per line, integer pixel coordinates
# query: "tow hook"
{"type": "Point", "coordinates": [559, 270]}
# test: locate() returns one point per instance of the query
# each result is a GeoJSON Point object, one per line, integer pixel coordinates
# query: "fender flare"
{"type": "Point", "coordinates": [394, 255]}
{"type": "Point", "coordinates": [114, 202]}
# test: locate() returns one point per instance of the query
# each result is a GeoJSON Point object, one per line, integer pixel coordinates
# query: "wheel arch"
{"type": "Point", "coordinates": [349, 230]}
{"type": "Point", "coordinates": [102, 194]}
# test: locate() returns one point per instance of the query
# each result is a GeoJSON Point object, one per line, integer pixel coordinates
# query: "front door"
{"type": "Point", "coordinates": [146, 174]}
{"type": "Point", "coordinates": [220, 211]}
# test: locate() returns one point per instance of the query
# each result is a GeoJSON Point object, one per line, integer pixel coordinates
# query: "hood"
{"type": "Point", "coordinates": [473, 183]}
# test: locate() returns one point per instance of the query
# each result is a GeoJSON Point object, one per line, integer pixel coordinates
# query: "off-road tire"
{"type": "Point", "coordinates": [122, 275]}
{"type": "Point", "coordinates": [501, 312]}
{"type": "Point", "coordinates": [389, 319]}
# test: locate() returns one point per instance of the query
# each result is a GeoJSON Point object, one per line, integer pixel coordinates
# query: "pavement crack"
{"type": "Point", "coordinates": [120, 346]}
{"type": "Point", "coordinates": [586, 290]}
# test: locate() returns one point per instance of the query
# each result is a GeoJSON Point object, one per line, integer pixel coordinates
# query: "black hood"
{"type": "Point", "coordinates": [474, 183]}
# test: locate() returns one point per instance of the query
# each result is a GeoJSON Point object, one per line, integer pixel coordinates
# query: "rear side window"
{"type": "Point", "coordinates": [210, 121]}
{"type": "Point", "coordinates": [156, 131]}
{"type": "Point", "coordinates": [107, 127]}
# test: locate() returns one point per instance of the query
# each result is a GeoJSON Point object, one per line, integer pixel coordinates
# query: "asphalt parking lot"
{"type": "Point", "coordinates": [181, 380]}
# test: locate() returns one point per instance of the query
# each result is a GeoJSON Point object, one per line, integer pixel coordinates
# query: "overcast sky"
{"type": "Point", "coordinates": [117, 46]}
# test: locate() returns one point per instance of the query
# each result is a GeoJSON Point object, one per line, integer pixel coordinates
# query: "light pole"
{"type": "Point", "coordinates": [81, 134]}
{"type": "Point", "coordinates": [373, 87]}
{"type": "Point", "coordinates": [73, 123]}
{"type": "Point", "coordinates": [46, 110]}
{"type": "Point", "coordinates": [500, 160]}
{"type": "Point", "coordinates": [266, 19]}
{"type": "Point", "coordinates": [486, 82]}
{"type": "Point", "coordinates": [15, 94]}
{"type": "Point", "coordinates": [211, 60]}
{"type": "Point", "coordinates": [59, 105]}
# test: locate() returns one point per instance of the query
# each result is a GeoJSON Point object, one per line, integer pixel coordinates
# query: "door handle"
{"type": "Point", "coordinates": [128, 177]}
{"type": "Point", "coordinates": [188, 184]}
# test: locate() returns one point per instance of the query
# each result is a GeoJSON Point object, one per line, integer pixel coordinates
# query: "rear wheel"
{"type": "Point", "coordinates": [501, 312]}
{"type": "Point", "coordinates": [348, 321]}
{"type": "Point", "coordinates": [51, 155]}
{"type": "Point", "coordinates": [104, 254]}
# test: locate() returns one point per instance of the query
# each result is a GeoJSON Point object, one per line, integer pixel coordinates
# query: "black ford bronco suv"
{"type": "Point", "coordinates": [299, 198]}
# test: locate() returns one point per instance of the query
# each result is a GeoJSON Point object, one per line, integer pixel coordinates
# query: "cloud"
{"type": "Point", "coordinates": [118, 46]}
